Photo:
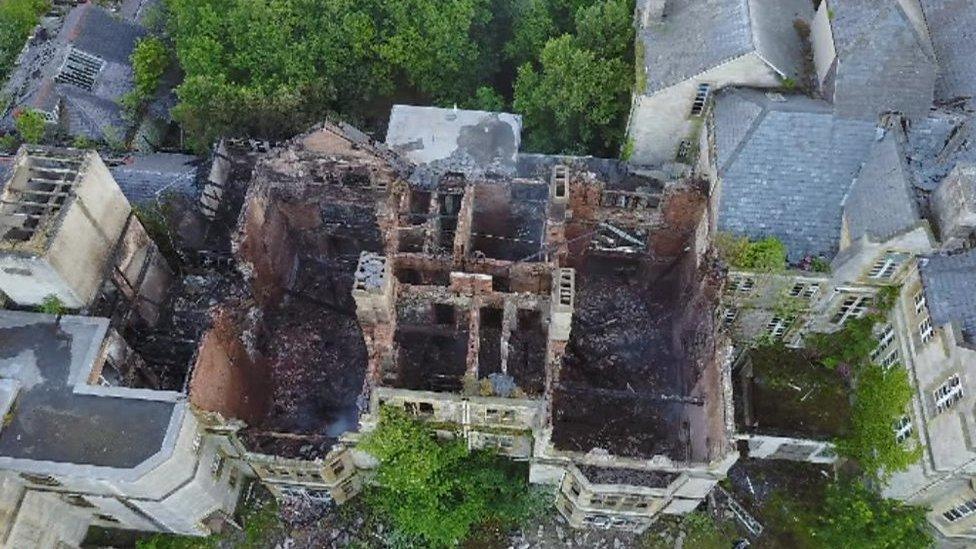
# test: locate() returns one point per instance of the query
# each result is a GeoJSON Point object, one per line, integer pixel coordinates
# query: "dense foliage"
{"type": "Point", "coordinates": [17, 19]}
{"type": "Point", "coordinates": [149, 61]}
{"type": "Point", "coordinates": [31, 125]}
{"type": "Point", "coordinates": [768, 255]}
{"type": "Point", "coordinates": [438, 490]}
{"type": "Point", "coordinates": [854, 517]}
{"type": "Point", "coordinates": [272, 67]}
{"type": "Point", "coordinates": [575, 99]}
{"type": "Point", "coordinates": [881, 395]}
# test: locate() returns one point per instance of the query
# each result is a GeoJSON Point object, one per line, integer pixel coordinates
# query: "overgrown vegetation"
{"type": "Point", "coordinates": [30, 125]}
{"type": "Point", "coordinates": [259, 521]}
{"type": "Point", "coordinates": [881, 395]}
{"type": "Point", "coordinates": [853, 516]}
{"type": "Point", "coordinates": [17, 19]}
{"type": "Point", "coordinates": [437, 491]}
{"type": "Point", "coordinates": [52, 305]}
{"type": "Point", "coordinates": [150, 59]}
{"type": "Point", "coordinates": [270, 68]}
{"type": "Point", "coordinates": [154, 218]}
{"type": "Point", "coordinates": [768, 255]}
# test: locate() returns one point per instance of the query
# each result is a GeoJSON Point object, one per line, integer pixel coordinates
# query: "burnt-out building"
{"type": "Point", "coordinates": [558, 310]}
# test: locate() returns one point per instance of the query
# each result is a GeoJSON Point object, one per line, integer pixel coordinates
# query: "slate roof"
{"type": "Point", "coordinates": [698, 35]}
{"type": "Point", "coordinates": [885, 59]}
{"type": "Point", "coordinates": [145, 177]}
{"type": "Point", "coordinates": [881, 203]}
{"type": "Point", "coordinates": [952, 26]}
{"type": "Point", "coordinates": [786, 170]}
{"type": "Point", "coordinates": [91, 29]}
{"type": "Point", "coordinates": [950, 290]}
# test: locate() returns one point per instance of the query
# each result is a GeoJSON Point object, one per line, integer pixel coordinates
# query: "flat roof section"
{"type": "Point", "coordinates": [50, 421]}
{"type": "Point", "coordinates": [455, 140]}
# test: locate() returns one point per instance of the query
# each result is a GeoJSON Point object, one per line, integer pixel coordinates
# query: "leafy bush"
{"type": "Point", "coordinates": [31, 125]}
{"type": "Point", "coordinates": [51, 305]}
{"type": "Point", "coordinates": [881, 397]}
{"type": "Point", "coordinates": [855, 517]}
{"type": "Point", "coordinates": [17, 20]}
{"type": "Point", "coordinates": [768, 255]}
{"type": "Point", "coordinates": [149, 61]}
{"type": "Point", "coordinates": [438, 490]}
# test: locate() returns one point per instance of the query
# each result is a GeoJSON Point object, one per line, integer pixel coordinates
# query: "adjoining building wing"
{"type": "Point", "coordinates": [950, 291]}
{"type": "Point", "coordinates": [874, 57]}
{"type": "Point", "coordinates": [952, 25]}
{"type": "Point", "coordinates": [787, 174]}
{"type": "Point", "coordinates": [881, 203]}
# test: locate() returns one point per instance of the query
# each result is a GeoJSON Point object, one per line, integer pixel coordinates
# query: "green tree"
{"type": "Point", "coordinates": [31, 125]}
{"type": "Point", "coordinates": [17, 19]}
{"type": "Point", "coordinates": [881, 398]}
{"type": "Point", "coordinates": [431, 42]}
{"type": "Point", "coordinates": [150, 60]}
{"type": "Point", "coordinates": [486, 99]}
{"type": "Point", "coordinates": [532, 27]}
{"type": "Point", "coordinates": [854, 517]}
{"type": "Point", "coordinates": [438, 490]}
{"type": "Point", "coordinates": [575, 102]}
{"type": "Point", "coordinates": [607, 27]}
{"type": "Point", "coordinates": [768, 255]}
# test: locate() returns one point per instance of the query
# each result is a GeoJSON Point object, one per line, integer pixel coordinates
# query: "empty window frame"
{"type": "Point", "coordinates": [729, 315]}
{"type": "Point", "coordinates": [925, 330]}
{"type": "Point", "coordinates": [903, 429]}
{"type": "Point", "coordinates": [806, 290]}
{"type": "Point", "coordinates": [494, 415]}
{"type": "Point", "coordinates": [948, 394]}
{"type": "Point", "coordinates": [420, 409]}
{"type": "Point", "coordinates": [852, 307]}
{"type": "Point", "coordinates": [890, 359]}
{"type": "Point", "coordinates": [701, 99]}
{"type": "Point", "coordinates": [217, 465]}
{"type": "Point", "coordinates": [80, 69]}
{"type": "Point", "coordinates": [741, 284]}
{"type": "Point", "coordinates": [778, 326]}
{"type": "Point", "coordinates": [887, 266]}
{"type": "Point", "coordinates": [337, 467]}
{"type": "Point", "coordinates": [960, 511]}
{"type": "Point", "coordinates": [919, 300]}
{"type": "Point", "coordinates": [885, 337]}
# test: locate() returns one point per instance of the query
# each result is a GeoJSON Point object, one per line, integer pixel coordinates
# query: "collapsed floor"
{"type": "Point", "coordinates": [639, 377]}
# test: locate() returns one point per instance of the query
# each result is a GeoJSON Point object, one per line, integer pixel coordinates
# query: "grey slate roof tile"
{"type": "Point", "coordinates": [93, 30]}
{"type": "Point", "coordinates": [952, 25]}
{"type": "Point", "coordinates": [145, 177]}
{"type": "Point", "coordinates": [695, 36]}
{"type": "Point", "coordinates": [950, 290]}
{"type": "Point", "coordinates": [698, 35]}
{"type": "Point", "coordinates": [885, 61]}
{"type": "Point", "coordinates": [881, 202]}
{"type": "Point", "coordinates": [788, 177]}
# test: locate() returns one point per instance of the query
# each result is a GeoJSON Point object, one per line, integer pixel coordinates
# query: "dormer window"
{"type": "Point", "coordinates": [80, 69]}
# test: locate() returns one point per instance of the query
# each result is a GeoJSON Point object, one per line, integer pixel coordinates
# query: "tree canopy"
{"type": "Point", "coordinates": [438, 490]}
{"type": "Point", "coordinates": [272, 67]}
{"type": "Point", "coordinates": [855, 517]}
